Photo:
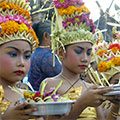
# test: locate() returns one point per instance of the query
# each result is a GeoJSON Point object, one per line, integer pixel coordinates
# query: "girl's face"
{"type": "Point", "coordinates": [77, 57]}
{"type": "Point", "coordinates": [14, 60]}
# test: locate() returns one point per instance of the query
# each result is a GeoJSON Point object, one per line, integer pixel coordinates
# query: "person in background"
{"type": "Point", "coordinates": [42, 58]}
{"type": "Point", "coordinates": [108, 64]}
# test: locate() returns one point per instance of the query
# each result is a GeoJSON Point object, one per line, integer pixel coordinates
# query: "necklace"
{"type": "Point", "coordinates": [65, 78]}
{"type": "Point", "coordinates": [71, 84]}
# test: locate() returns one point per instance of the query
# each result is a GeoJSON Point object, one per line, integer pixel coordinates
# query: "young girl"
{"type": "Point", "coordinates": [17, 40]}
{"type": "Point", "coordinates": [73, 41]}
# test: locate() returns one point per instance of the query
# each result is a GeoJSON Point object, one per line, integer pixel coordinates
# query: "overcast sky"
{"type": "Point", "coordinates": [95, 13]}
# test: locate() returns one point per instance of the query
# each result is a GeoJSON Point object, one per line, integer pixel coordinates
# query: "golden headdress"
{"type": "Point", "coordinates": [107, 56]}
{"type": "Point", "coordinates": [15, 22]}
{"type": "Point", "coordinates": [73, 24]}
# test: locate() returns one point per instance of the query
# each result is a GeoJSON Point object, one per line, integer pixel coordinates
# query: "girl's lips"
{"type": "Point", "coordinates": [19, 72]}
{"type": "Point", "coordinates": [83, 66]}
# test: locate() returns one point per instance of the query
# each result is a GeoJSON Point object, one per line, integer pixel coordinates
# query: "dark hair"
{"type": "Point", "coordinates": [116, 79]}
{"type": "Point", "coordinates": [42, 27]}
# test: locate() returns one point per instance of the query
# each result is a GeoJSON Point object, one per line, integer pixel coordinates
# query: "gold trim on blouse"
{"type": "Point", "coordinates": [3, 105]}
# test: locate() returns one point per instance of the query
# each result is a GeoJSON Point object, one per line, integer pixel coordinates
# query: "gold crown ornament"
{"type": "Point", "coordinates": [73, 24]}
{"type": "Point", "coordinates": [15, 22]}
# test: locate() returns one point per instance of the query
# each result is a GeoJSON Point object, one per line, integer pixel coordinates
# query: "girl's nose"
{"type": "Point", "coordinates": [84, 58]}
{"type": "Point", "coordinates": [20, 62]}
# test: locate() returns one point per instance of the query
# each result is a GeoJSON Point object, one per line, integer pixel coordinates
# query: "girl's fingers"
{"type": "Point", "coordinates": [21, 106]}
{"type": "Point", "coordinates": [27, 111]}
{"type": "Point", "coordinates": [104, 90]}
{"type": "Point", "coordinates": [26, 117]}
{"type": "Point", "coordinates": [93, 87]}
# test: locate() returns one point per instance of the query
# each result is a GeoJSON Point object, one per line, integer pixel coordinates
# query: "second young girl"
{"type": "Point", "coordinates": [73, 42]}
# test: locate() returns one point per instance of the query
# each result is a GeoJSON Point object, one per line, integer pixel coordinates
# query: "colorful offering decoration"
{"type": "Point", "coordinates": [42, 95]}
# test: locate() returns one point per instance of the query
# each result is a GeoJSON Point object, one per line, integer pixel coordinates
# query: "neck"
{"type": "Point", "coordinates": [44, 46]}
{"type": "Point", "coordinates": [69, 74]}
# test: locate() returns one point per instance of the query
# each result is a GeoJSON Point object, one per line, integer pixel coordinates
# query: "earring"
{"type": "Point", "coordinates": [61, 57]}
{"type": "Point", "coordinates": [82, 76]}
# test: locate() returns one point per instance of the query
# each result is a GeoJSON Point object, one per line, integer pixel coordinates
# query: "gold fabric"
{"type": "Point", "coordinates": [3, 105]}
{"type": "Point", "coordinates": [89, 113]}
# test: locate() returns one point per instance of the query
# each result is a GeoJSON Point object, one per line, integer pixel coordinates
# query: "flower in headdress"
{"type": "Point", "coordinates": [78, 19]}
{"type": "Point", "coordinates": [77, 2]}
{"type": "Point", "coordinates": [115, 49]}
{"type": "Point", "coordinates": [116, 61]}
{"type": "Point", "coordinates": [23, 27]}
{"type": "Point", "coordinates": [61, 3]}
{"type": "Point", "coordinates": [102, 67]}
{"type": "Point", "coordinates": [67, 22]}
{"type": "Point", "coordinates": [65, 3]}
{"type": "Point", "coordinates": [2, 19]}
{"type": "Point", "coordinates": [17, 18]}
{"type": "Point", "coordinates": [86, 18]}
{"type": "Point", "coordinates": [4, 5]}
{"type": "Point", "coordinates": [114, 45]}
{"type": "Point", "coordinates": [109, 64]}
{"type": "Point", "coordinates": [67, 11]}
{"type": "Point", "coordinates": [106, 65]}
{"type": "Point", "coordinates": [83, 8]}
{"type": "Point", "coordinates": [100, 53]}
{"type": "Point", "coordinates": [9, 27]}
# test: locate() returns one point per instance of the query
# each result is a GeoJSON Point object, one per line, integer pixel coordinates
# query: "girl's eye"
{"type": "Point", "coordinates": [89, 52]}
{"type": "Point", "coordinates": [78, 51]}
{"type": "Point", "coordinates": [27, 56]}
{"type": "Point", "coordinates": [12, 54]}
